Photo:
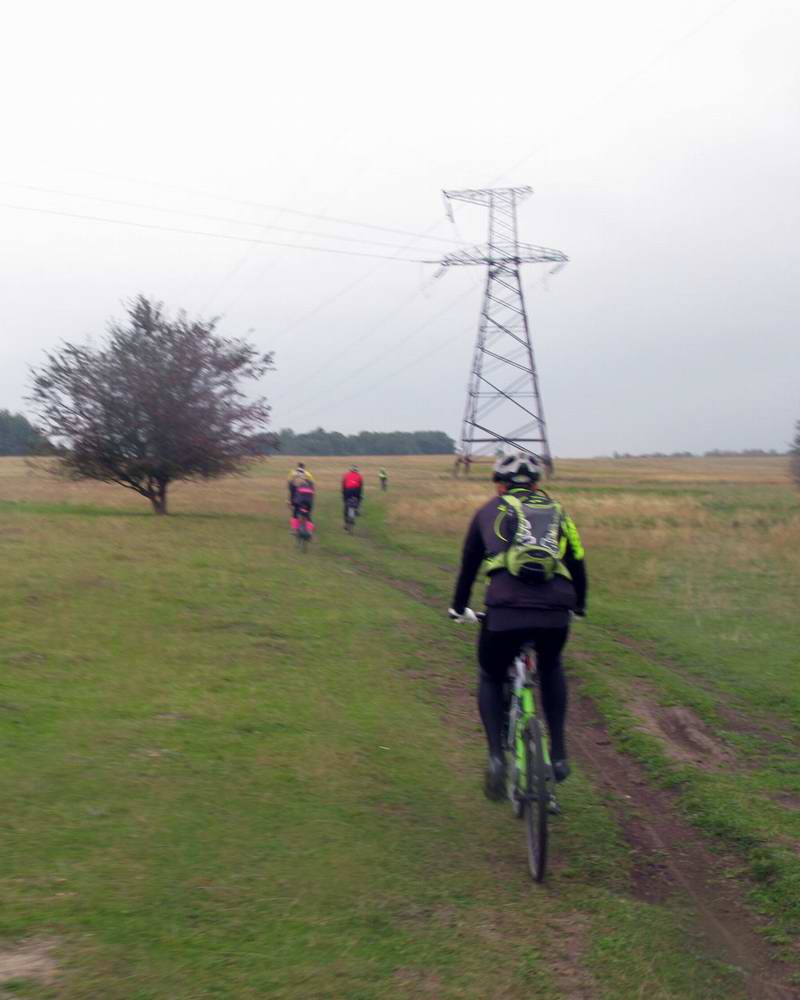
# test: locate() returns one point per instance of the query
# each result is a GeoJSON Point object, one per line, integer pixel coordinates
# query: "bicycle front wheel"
{"type": "Point", "coordinates": [536, 812]}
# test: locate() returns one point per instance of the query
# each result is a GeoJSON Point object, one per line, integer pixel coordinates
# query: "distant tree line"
{"type": "Point", "coordinates": [18, 436]}
{"type": "Point", "coordinates": [715, 453]}
{"type": "Point", "coordinates": [794, 452]}
{"type": "Point", "coordinates": [322, 442]}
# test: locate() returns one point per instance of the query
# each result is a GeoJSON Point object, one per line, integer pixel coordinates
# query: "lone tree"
{"type": "Point", "coordinates": [160, 401]}
{"type": "Point", "coordinates": [794, 456]}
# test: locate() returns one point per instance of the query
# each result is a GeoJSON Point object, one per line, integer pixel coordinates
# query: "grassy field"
{"type": "Point", "coordinates": [229, 770]}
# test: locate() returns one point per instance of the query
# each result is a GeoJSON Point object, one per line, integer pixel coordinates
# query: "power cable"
{"type": "Point", "coordinates": [325, 303]}
{"type": "Point", "coordinates": [271, 265]}
{"type": "Point", "coordinates": [259, 204]}
{"type": "Point", "coordinates": [298, 187]}
{"type": "Point", "coordinates": [393, 374]}
{"type": "Point", "coordinates": [218, 236]}
{"type": "Point", "coordinates": [265, 226]}
{"type": "Point", "coordinates": [410, 364]}
{"type": "Point", "coordinates": [352, 344]}
{"type": "Point", "coordinates": [377, 360]}
{"type": "Point", "coordinates": [348, 287]}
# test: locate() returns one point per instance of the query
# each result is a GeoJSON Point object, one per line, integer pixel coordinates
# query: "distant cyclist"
{"type": "Point", "coordinates": [352, 488]}
{"type": "Point", "coordinates": [383, 476]}
{"type": "Point", "coordinates": [533, 556]}
{"type": "Point", "coordinates": [301, 495]}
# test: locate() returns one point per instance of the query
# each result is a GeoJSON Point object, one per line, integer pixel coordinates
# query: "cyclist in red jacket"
{"type": "Point", "coordinates": [352, 487]}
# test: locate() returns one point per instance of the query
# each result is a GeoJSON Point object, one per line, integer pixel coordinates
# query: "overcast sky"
{"type": "Point", "coordinates": [662, 140]}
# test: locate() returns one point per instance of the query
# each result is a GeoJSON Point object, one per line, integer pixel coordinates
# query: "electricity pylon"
{"type": "Point", "coordinates": [503, 387]}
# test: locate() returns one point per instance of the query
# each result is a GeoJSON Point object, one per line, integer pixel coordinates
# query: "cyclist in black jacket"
{"type": "Point", "coordinates": [518, 611]}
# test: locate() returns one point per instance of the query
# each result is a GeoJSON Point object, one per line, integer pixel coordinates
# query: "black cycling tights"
{"type": "Point", "coordinates": [496, 651]}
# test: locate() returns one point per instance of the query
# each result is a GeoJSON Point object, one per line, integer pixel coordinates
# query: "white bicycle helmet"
{"type": "Point", "coordinates": [517, 468]}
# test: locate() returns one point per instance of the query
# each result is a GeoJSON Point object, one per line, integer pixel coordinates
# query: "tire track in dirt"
{"type": "Point", "coordinates": [671, 857]}
{"type": "Point", "coordinates": [772, 732]}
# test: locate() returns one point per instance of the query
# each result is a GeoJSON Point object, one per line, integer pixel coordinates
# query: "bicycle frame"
{"type": "Point", "coordinates": [522, 676]}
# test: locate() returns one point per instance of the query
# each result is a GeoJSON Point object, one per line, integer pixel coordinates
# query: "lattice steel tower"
{"type": "Point", "coordinates": [504, 406]}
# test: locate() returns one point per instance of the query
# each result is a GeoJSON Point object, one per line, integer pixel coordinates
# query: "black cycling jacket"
{"type": "Point", "coordinates": [512, 602]}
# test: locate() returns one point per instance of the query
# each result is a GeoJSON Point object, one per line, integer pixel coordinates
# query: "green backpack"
{"type": "Point", "coordinates": [534, 554]}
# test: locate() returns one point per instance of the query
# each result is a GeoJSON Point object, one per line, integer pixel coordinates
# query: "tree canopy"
{"type": "Point", "coordinates": [322, 442]}
{"type": "Point", "coordinates": [159, 401]}
{"type": "Point", "coordinates": [794, 454]}
{"type": "Point", "coordinates": [18, 436]}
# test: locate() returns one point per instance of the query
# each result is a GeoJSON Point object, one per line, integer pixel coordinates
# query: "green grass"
{"type": "Point", "coordinates": [232, 771]}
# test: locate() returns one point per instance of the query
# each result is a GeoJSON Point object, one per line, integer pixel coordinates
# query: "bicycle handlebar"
{"type": "Point", "coordinates": [480, 616]}
{"type": "Point", "coordinates": [469, 616]}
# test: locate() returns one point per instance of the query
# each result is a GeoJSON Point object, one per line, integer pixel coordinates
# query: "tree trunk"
{"type": "Point", "coordinates": [159, 499]}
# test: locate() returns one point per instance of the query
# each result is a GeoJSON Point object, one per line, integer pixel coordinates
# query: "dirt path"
{"type": "Point", "coordinates": [671, 857]}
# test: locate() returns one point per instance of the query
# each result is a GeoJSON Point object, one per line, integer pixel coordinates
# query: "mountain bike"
{"type": "Point", "coordinates": [350, 514]}
{"type": "Point", "coordinates": [531, 782]}
{"type": "Point", "coordinates": [303, 533]}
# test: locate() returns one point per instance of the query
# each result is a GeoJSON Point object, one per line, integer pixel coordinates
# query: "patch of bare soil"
{"type": "Point", "coordinates": [685, 736]}
{"type": "Point", "coordinates": [566, 959]}
{"type": "Point", "coordinates": [417, 982]}
{"type": "Point", "coordinates": [789, 800]}
{"type": "Point", "coordinates": [773, 732]}
{"type": "Point", "coordinates": [30, 959]}
{"type": "Point", "coordinates": [672, 859]}
{"type": "Point", "coordinates": [24, 658]}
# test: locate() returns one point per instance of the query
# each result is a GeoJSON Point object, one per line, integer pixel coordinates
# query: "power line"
{"type": "Point", "coordinates": [265, 226]}
{"type": "Point", "coordinates": [352, 344]}
{"type": "Point", "coordinates": [218, 236]}
{"type": "Point", "coordinates": [376, 383]}
{"type": "Point", "coordinates": [417, 329]}
{"type": "Point", "coordinates": [348, 287]}
{"type": "Point", "coordinates": [260, 204]}
{"type": "Point", "coordinates": [276, 258]}
{"type": "Point", "coordinates": [377, 360]}
{"type": "Point", "coordinates": [397, 371]}
{"type": "Point", "coordinates": [325, 303]}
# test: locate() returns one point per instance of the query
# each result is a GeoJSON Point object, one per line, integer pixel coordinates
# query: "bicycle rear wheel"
{"type": "Point", "coordinates": [536, 803]}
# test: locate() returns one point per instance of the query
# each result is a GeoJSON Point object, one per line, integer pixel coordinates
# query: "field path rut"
{"type": "Point", "coordinates": [671, 857]}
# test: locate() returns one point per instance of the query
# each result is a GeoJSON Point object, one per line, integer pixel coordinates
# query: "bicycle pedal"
{"type": "Point", "coordinates": [553, 807]}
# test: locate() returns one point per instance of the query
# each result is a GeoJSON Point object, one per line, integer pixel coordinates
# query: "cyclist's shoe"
{"type": "Point", "coordinates": [494, 783]}
{"type": "Point", "coordinates": [561, 769]}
